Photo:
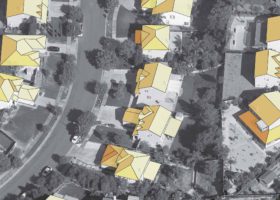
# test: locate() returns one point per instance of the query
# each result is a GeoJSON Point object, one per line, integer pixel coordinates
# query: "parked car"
{"type": "Point", "coordinates": [46, 171]}
{"type": "Point", "coordinates": [82, 30]}
{"type": "Point", "coordinates": [53, 48]}
{"type": "Point", "coordinates": [76, 139]}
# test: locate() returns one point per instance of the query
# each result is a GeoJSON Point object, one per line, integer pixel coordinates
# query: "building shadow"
{"type": "Point", "coordinates": [119, 113]}
{"type": "Point", "coordinates": [99, 154]}
{"type": "Point", "coordinates": [3, 13]}
{"type": "Point", "coordinates": [131, 81]}
{"type": "Point", "coordinates": [248, 67]}
{"type": "Point", "coordinates": [250, 95]}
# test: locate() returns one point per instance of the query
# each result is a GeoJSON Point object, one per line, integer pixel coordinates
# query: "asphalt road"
{"type": "Point", "coordinates": [58, 142]}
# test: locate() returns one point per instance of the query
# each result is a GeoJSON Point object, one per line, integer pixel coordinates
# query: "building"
{"type": "Point", "coordinates": [154, 40]}
{"type": "Point", "coordinates": [128, 164]}
{"type": "Point", "coordinates": [273, 33]}
{"type": "Point", "coordinates": [263, 118]}
{"type": "Point", "coordinates": [173, 12]}
{"type": "Point", "coordinates": [13, 90]}
{"type": "Point", "coordinates": [6, 143]}
{"type": "Point", "coordinates": [154, 124]}
{"type": "Point", "coordinates": [22, 50]}
{"type": "Point", "coordinates": [267, 69]}
{"type": "Point", "coordinates": [155, 85]}
{"type": "Point", "coordinates": [18, 10]}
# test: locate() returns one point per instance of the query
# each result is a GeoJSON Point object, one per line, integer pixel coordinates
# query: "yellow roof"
{"type": "Point", "coordinates": [155, 37]}
{"type": "Point", "coordinates": [267, 107]}
{"type": "Point", "coordinates": [156, 119]}
{"type": "Point", "coordinates": [151, 171]}
{"type": "Point", "coordinates": [183, 7]}
{"type": "Point", "coordinates": [267, 63]}
{"type": "Point", "coordinates": [8, 86]}
{"type": "Point", "coordinates": [273, 31]}
{"type": "Point", "coordinates": [12, 88]}
{"type": "Point", "coordinates": [22, 50]}
{"type": "Point", "coordinates": [154, 75]}
{"type": "Point", "coordinates": [36, 8]}
{"type": "Point", "coordinates": [129, 164]}
{"type": "Point", "coordinates": [54, 198]}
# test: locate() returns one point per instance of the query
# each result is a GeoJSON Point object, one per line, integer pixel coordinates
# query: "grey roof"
{"type": "Point", "coordinates": [6, 143]}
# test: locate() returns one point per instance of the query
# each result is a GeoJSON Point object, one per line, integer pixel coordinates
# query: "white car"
{"type": "Point", "coordinates": [76, 139]}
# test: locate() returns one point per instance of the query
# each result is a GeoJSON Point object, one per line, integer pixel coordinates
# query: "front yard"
{"type": "Point", "coordinates": [23, 126]}
{"type": "Point", "coordinates": [124, 21]}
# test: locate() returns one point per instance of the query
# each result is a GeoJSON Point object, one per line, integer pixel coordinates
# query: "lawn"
{"type": "Point", "coordinates": [49, 86]}
{"type": "Point", "coordinates": [124, 20]}
{"type": "Point", "coordinates": [23, 126]}
{"type": "Point", "coordinates": [119, 102]}
{"type": "Point", "coordinates": [108, 135]}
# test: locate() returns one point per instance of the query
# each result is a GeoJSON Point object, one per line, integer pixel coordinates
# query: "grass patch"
{"type": "Point", "coordinates": [23, 126]}
{"type": "Point", "coordinates": [124, 20]}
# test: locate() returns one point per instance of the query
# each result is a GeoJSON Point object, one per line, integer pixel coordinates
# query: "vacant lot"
{"type": "Point", "coordinates": [23, 126]}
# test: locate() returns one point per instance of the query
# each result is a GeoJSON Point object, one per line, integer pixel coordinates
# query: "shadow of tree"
{"type": "Point", "coordinates": [208, 77]}
{"type": "Point", "coordinates": [90, 86]}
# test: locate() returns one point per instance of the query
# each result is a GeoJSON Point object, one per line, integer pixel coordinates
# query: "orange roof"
{"type": "Point", "coordinates": [111, 155]}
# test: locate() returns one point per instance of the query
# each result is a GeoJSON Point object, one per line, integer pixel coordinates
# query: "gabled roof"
{"type": "Point", "coordinates": [267, 63]}
{"type": "Point", "coordinates": [8, 86]}
{"type": "Point", "coordinates": [22, 50]}
{"type": "Point", "coordinates": [267, 107]}
{"type": "Point", "coordinates": [54, 198]}
{"type": "Point", "coordinates": [36, 8]}
{"type": "Point", "coordinates": [153, 37]}
{"type": "Point", "coordinates": [273, 31]}
{"type": "Point", "coordinates": [156, 119]}
{"type": "Point", "coordinates": [12, 88]}
{"type": "Point", "coordinates": [183, 7]}
{"type": "Point", "coordinates": [129, 164]}
{"type": "Point", "coordinates": [154, 75]}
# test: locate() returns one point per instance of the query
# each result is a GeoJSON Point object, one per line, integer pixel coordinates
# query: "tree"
{"type": "Point", "coordinates": [108, 5]}
{"type": "Point", "coordinates": [104, 59]}
{"type": "Point", "coordinates": [86, 120]}
{"type": "Point", "coordinates": [16, 162]}
{"type": "Point", "coordinates": [72, 12]}
{"type": "Point", "coordinates": [55, 110]}
{"type": "Point", "coordinates": [118, 90]}
{"type": "Point", "coordinates": [127, 50]}
{"type": "Point", "coordinates": [64, 74]}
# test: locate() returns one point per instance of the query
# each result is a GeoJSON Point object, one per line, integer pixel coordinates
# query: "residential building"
{"type": "Point", "coordinates": [131, 165]}
{"type": "Point", "coordinates": [173, 12]}
{"type": "Point", "coordinates": [155, 85]}
{"type": "Point", "coordinates": [22, 50]}
{"type": "Point", "coordinates": [13, 90]}
{"type": "Point", "coordinates": [51, 197]}
{"type": "Point", "coordinates": [18, 10]}
{"type": "Point", "coordinates": [154, 124]}
{"type": "Point", "coordinates": [267, 69]}
{"type": "Point", "coordinates": [6, 143]}
{"type": "Point", "coordinates": [154, 40]}
{"type": "Point", "coordinates": [273, 33]}
{"type": "Point", "coordinates": [263, 118]}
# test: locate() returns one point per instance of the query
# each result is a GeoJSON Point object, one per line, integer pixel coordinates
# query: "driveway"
{"type": "Point", "coordinates": [58, 142]}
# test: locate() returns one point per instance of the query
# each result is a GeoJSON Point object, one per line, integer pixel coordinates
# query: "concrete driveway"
{"type": "Point", "coordinates": [59, 142]}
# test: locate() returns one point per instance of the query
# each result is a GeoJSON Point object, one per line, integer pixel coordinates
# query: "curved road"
{"type": "Point", "coordinates": [58, 142]}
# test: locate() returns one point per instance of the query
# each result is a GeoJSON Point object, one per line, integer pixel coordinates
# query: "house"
{"type": "Point", "coordinates": [273, 33]}
{"type": "Point", "coordinates": [267, 69]}
{"type": "Point", "coordinates": [6, 143]}
{"type": "Point", "coordinates": [263, 118]}
{"type": "Point", "coordinates": [154, 40]}
{"type": "Point", "coordinates": [13, 90]}
{"type": "Point", "coordinates": [18, 10]}
{"type": "Point", "coordinates": [131, 165]}
{"type": "Point", "coordinates": [155, 85]}
{"type": "Point", "coordinates": [22, 50]}
{"type": "Point", "coordinates": [51, 197]}
{"type": "Point", "coordinates": [173, 12]}
{"type": "Point", "coordinates": [154, 124]}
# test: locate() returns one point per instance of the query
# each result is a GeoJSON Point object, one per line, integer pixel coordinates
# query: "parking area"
{"type": "Point", "coordinates": [111, 115]}
{"type": "Point", "coordinates": [244, 152]}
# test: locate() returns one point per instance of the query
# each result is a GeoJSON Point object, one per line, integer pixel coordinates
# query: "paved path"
{"type": "Point", "coordinates": [58, 142]}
